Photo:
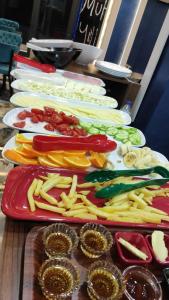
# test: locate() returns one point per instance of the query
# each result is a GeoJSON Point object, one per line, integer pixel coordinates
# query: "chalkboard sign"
{"type": "Point", "coordinates": [90, 21]}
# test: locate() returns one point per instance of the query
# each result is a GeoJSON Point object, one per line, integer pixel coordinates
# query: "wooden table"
{"type": "Point", "coordinates": [119, 88]}
{"type": "Point", "coordinates": [11, 261]}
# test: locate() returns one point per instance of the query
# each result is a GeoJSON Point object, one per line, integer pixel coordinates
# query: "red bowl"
{"type": "Point", "coordinates": [137, 240]}
{"type": "Point", "coordinates": [166, 239]}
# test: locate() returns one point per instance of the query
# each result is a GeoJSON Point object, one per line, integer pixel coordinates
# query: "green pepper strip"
{"type": "Point", "coordinates": [105, 175]}
{"type": "Point", "coordinates": [117, 189]}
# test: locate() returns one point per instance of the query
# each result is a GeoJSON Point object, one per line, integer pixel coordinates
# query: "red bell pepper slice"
{"type": "Point", "coordinates": [97, 143]}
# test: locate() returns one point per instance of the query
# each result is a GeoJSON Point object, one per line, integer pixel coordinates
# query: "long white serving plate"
{"type": "Point", "coordinates": [11, 117]}
{"type": "Point", "coordinates": [24, 85]}
{"type": "Point", "coordinates": [14, 100]}
{"type": "Point", "coordinates": [59, 74]}
{"type": "Point", "coordinates": [37, 100]}
{"type": "Point", "coordinates": [114, 157]}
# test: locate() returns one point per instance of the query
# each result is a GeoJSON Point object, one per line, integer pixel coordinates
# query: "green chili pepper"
{"type": "Point", "coordinates": [120, 188]}
{"type": "Point", "coordinates": [105, 175]}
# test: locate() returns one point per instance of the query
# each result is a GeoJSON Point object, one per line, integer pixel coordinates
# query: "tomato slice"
{"type": "Point", "coordinates": [22, 115]}
{"type": "Point", "coordinates": [19, 124]}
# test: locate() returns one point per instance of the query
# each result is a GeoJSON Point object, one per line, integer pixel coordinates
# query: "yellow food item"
{"type": "Point", "coordinates": [78, 162]}
{"type": "Point", "coordinates": [44, 161]}
{"type": "Point", "coordinates": [132, 249]}
{"type": "Point", "coordinates": [31, 191]}
{"type": "Point", "coordinates": [158, 244]}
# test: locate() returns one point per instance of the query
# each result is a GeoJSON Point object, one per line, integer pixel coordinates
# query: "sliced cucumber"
{"type": "Point", "coordinates": [93, 130]}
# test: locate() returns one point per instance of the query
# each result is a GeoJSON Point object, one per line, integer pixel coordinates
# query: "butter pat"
{"type": "Point", "coordinates": [158, 244]}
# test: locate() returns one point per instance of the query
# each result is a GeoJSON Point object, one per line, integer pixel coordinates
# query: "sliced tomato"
{"type": "Point", "coordinates": [19, 124]}
{"type": "Point", "coordinates": [37, 111]}
{"type": "Point", "coordinates": [22, 115]}
{"type": "Point", "coordinates": [48, 111]}
{"type": "Point", "coordinates": [70, 120]}
{"type": "Point", "coordinates": [28, 114]}
{"type": "Point", "coordinates": [49, 127]}
{"type": "Point", "coordinates": [40, 118]}
{"type": "Point", "coordinates": [34, 119]}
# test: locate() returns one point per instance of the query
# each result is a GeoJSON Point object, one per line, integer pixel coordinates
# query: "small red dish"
{"type": "Point", "coordinates": [166, 239]}
{"type": "Point", "coordinates": [137, 240]}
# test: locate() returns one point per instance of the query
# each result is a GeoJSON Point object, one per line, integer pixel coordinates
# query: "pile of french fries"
{"type": "Point", "coordinates": [134, 206]}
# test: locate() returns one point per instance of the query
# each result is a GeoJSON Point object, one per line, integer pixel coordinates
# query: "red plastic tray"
{"type": "Point", "coordinates": [15, 205]}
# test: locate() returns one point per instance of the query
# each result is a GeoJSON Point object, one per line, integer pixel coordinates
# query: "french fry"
{"type": "Point", "coordinates": [78, 205]}
{"type": "Point", "coordinates": [74, 212]}
{"type": "Point", "coordinates": [85, 200]}
{"type": "Point", "coordinates": [65, 199]}
{"type": "Point", "coordinates": [112, 208]}
{"type": "Point", "coordinates": [87, 184]}
{"type": "Point", "coordinates": [155, 210]}
{"type": "Point", "coordinates": [116, 218]}
{"type": "Point", "coordinates": [85, 193]}
{"type": "Point", "coordinates": [52, 175]}
{"type": "Point", "coordinates": [62, 186]}
{"type": "Point", "coordinates": [137, 199]}
{"type": "Point", "coordinates": [86, 216]}
{"type": "Point", "coordinates": [38, 187]}
{"type": "Point", "coordinates": [48, 197]}
{"type": "Point", "coordinates": [133, 249]}
{"type": "Point", "coordinates": [61, 204]}
{"type": "Point", "coordinates": [49, 207]}
{"type": "Point", "coordinates": [50, 183]}
{"type": "Point", "coordinates": [98, 212]}
{"type": "Point", "coordinates": [73, 187]}
{"type": "Point", "coordinates": [30, 193]}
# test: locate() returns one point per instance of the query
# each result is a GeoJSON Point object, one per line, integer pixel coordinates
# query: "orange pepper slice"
{"type": "Point", "coordinates": [98, 160]}
{"type": "Point", "coordinates": [58, 159]}
{"type": "Point", "coordinates": [17, 157]}
{"type": "Point", "coordinates": [44, 161]}
{"type": "Point", "coordinates": [78, 162]}
{"type": "Point", "coordinates": [20, 138]}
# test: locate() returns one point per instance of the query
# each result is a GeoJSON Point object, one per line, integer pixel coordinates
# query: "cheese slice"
{"type": "Point", "coordinates": [158, 244]}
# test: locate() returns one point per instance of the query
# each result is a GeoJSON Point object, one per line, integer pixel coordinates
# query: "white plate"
{"type": "Point", "coordinates": [57, 43]}
{"type": "Point", "coordinates": [26, 74]}
{"type": "Point", "coordinates": [36, 99]}
{"type": "Point", "coordinates": [61, 76]}
{"type": "Point", "coordinates": [72, 102]}
{"type": "Point", "coordinates": [113, 67]}
{"type": "Point", "coordinates": [21, 85]}
{"type": "Point", "coordinates": [117, 160]}
{"type": "Point", "coordinates": [81, 77]}
{"type": "Point", "coordinates": [120, 75]}
{"type": "Point", "coordinates": [11, 117]}
{"type": "Point", "coordinates": [113, 157]}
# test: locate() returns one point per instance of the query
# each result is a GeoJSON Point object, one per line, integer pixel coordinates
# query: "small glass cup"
{"type": "Point", "coordinates": [58, 278]}
{"type": "Point", "coordinates": [59, 240]}
{"type": "Point", "coordinates": [95, 240]}
{"type": "Point", "coordinates": [141, 284]}
{"type": "Point", "coordinates": [104, 281]}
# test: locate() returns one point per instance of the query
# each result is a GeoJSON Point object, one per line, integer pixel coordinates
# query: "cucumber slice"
{"type": "Point", "coordinates": [93, 130]}
{"type": "Point", "coordinates": [113, 131]}
{"type": "Point", "coordinates": [122, 135]}
{"type": "Point", "coordinates": [135, 139]}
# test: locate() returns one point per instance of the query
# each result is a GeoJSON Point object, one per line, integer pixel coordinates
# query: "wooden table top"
{"type": "Point", "coordinates": [91, 70]}
{"type": "Point", "coordinates": [11, 260]}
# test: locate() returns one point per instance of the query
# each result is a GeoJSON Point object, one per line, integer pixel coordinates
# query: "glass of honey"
{"type": "Point", "coordinates": [141, 284]}
{"type": "Point", "coordinates": [104, 281]}
{"type": "Point", "coordinates": [59, 240]}
{"type": "Point", "coordinates": [95, 240]}
{"type": "Point", "coordinates": [58, 278]}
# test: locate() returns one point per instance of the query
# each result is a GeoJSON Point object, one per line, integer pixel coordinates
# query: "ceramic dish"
{"type": "Point", "coordinates": [166, 239]}
{"type": "Point", "coordinates": [52, 89]}
{"type": "Point", "coordinates": [113, 157]}
{"type": "Point", "coordinates": [51, 43]}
